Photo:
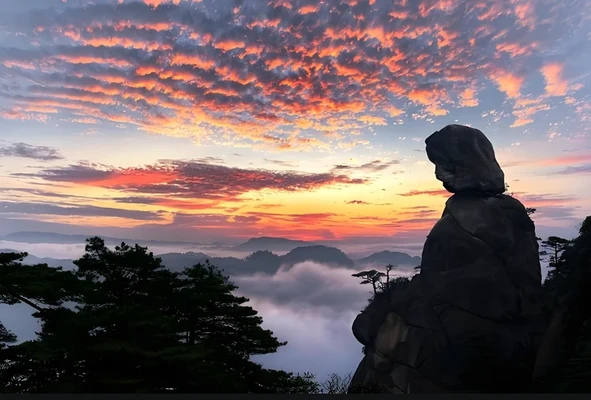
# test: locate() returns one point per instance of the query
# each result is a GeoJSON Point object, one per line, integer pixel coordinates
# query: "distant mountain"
{"type": "Point", "coordinates": [263, 261]}
{"type": "Point", "coordinates": [318, 253]}
{"type": "Point", "coordinates": [65, 263]}
{"type": "Point", "coordinates": [59, 238]}
{"type": "Point", "coordinates": [270, 244]}
{"type": "Point", "coordinates": [178, 261]}
{"type": "Point", "coordinates": [390, 257]}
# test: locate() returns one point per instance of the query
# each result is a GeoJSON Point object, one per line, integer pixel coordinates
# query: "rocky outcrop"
{"type": "Point", "coordinates": [471, 319]}
{"type": "Point", "coordinates": [465, 160]}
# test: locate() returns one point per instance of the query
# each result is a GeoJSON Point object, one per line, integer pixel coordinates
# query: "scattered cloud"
{"type": "Point", "coordinates": [270, 74]}
{"type": "Point", "coordinates": [579, 170]}
{"type": "Point", "coordinates": [283, 163]}
{"type": "Point", "coordinates": [24, 150]}
{"type": "Point", "coordinates": [435, 192]}
{"type": "Point", "coordinates": [357, 202]}
{"type": "Point", "coordinates": [373, 166]}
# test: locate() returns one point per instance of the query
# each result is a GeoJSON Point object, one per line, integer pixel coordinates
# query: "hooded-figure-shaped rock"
{"type": "Point", "coordinates": [471, 319]}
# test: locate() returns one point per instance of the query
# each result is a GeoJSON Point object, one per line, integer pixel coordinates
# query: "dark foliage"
{"type": "Point", "coordinates": [133, 326]}
{"type": "Point", "coordinates": [585, 226]}
{"type": "Point", "coordinates": [569, 287]}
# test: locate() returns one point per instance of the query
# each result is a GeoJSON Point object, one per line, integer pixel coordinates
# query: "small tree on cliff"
{"type": "Point", "coordinates": [553, 247]}
{"type": "Point", "coordinates": [375, 278]}
{"type": "Point", "coordinates": [372, 276]}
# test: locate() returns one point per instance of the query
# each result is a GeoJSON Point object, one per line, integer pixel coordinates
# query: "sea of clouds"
{"type": "Point", "coordinates": [310, 305]}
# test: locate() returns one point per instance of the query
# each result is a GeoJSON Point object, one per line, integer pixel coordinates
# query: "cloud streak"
{"type": "Point", "coordinates": [24, 150]}
{"type": "Point", "coordinates": [171, 179]}
{"type": "Point", "coordinates": [30, 208]}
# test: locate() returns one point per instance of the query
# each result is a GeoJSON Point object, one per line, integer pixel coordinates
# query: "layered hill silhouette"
{"type": "Point", "coordinates": [265, 261]}
{"type": "Point", "coordinates": [390, 257]}
{"type": "Point", "coordinates": [262, 261]}
{"type": "Point", "coordinates": [271, 244]}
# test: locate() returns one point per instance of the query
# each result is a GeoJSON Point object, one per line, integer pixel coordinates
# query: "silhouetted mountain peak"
{"type": "Point", "coordinates": [317, 253]}
{"type": "Point", "coordinates": [270, 244]}
{"type": "Point", "coordinates": [386, 257]}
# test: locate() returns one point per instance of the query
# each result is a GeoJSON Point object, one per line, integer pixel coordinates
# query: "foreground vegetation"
{"type": "Point", "coordinates": [124, 323]}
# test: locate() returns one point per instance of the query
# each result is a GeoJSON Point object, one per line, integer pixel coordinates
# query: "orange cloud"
{"type": "Point", "coordinates": [230, 44]}
{"type": "Point", "coordinates": [393, 111]}
{"type": "Point", "coordinates": [521, 122]}
{"type": "Point", "coordinates": [525, 12]}
{"type": "Point", "coordinates": [307, 9]}
{"type": "Point", "coordinates": [525, 109]}
{"type": "Point", "coordinates": [156, 3]}
{"type": "Point", "coordinates": [193, 60]}
{"type": "Point", "coordinates": [515, 49]}
{"type": "Point", "coordinates": [507, 82]}
{"type": "Point", "coordinates": [373, 120]}
{"type": "Point", "coordinates": [555, 84]}
{"type": "Point", "coordinates": [94, 59]}
{"type": "Point", "coordinates": [467, 98]}
{"type": "Point", "coordinates": [251, 79]}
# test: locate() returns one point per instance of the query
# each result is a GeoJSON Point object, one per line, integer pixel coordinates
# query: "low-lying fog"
{"type": "Point", "coordinates": [311, 306]}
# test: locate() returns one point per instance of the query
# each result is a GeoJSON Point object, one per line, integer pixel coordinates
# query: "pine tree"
{"type": "Point", "coordinates": [570, 285]}
{"type": "Point", "coordinates": [136, 327]}
{"type": "Point", "coordinates": [211, 315]}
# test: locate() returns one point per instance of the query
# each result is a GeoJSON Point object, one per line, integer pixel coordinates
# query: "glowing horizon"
{"type": "Point", "coordinates": [302, 119]}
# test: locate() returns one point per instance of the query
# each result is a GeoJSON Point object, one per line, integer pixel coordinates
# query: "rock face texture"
{"type": "Point", "coordinates": [471, 320]}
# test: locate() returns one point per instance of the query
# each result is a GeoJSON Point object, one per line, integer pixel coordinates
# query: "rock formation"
{"type": "Point", "coordinates": [471, 320]}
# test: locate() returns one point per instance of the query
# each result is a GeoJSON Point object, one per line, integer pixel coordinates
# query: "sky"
{"type": "Point", "coordinates": [202, 120]}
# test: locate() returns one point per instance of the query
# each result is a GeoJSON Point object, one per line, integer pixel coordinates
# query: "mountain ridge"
{"type": "Point", "coordinates": [270, 243]}
{"type": "Point", "coordinates": [264, 261]}
{"type": "Point", "coordinates": [390, 257]}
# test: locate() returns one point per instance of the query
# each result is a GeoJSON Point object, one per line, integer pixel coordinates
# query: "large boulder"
{"type": "Point", "coordinates": [471, 319]}
{"type": "Point", "coordinates": [465, 160]}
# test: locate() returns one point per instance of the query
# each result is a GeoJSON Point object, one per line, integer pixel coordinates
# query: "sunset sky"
{"type": "Point", "coordinates": [207, 120]}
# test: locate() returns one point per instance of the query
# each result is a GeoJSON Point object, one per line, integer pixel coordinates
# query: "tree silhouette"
{"type": "Point", "coordinates": [569, 285]}
{"type": "Point", "coordinates": [371, 276]}
{"type": "Point", "coordinates": [585, 226]}
{"type": "Point", "coordinates": [6, 337]}
{"type": "Point", "coordinates": [553, 247]}
{"type": "Point", "coordinates": [336, 384]}
{"type": "Point", "coordinates": [135, 327]}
